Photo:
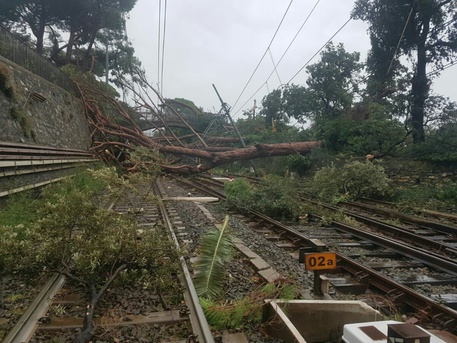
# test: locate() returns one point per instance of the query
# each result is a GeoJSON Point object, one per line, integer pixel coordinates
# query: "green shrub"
{"type": "Point", "coordinates": [276, 197]}
{"type": "Point", "coordinates": [354, 180]}
{"type": "Point", "coordinates": [5, 81]}
{"type": "Point", "coordinates": [247, 311]}
{"type": "Point", "coordinates": [298, 164]}
{"type": "Point", "coordinates": [426, 196]}
{"type": "Point", "coordinates": [241, 194]}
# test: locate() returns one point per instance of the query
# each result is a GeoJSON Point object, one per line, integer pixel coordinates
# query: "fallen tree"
{"type": "Point", "coordinates": [117, 135]}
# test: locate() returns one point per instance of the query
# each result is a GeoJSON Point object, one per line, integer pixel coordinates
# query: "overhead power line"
{"type": "Point", "coordinates": [282, 57]}
{"type": "Point", "coordinates": [401, 36]}
{"type": "Point", "coordinates": [161, 45]}
{"type": "Point", "coordinates": [298, 72]}
{"type": "Point", "coordinates": [318, 51]}
{"type": "Point", "coordinates": [159, 39]}
{"type": "Point", "coordinates": [264, 54]}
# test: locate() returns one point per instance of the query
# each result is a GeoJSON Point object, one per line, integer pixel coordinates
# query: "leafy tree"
{"type": "Point", "coordinates": [86, 23]}
{"type": "Point", "coordinates": [426, 28]}
{"type": "Point", "coordinates": [366, 129]}
{"type": "Point", "coordinates": [35, 15]}
{"type": "Point", "coordinates": [273, 110]}
{"type": "Point", "coordinates": [330, 92]}
{"type": "Point", "coordinates": [332, 83]}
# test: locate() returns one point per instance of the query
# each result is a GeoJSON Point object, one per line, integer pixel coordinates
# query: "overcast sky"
{"type": "Point", "coordinates": [221, 42]}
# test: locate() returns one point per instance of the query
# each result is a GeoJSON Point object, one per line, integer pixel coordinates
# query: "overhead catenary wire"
{"type": "Point", "coordinates": [318, 51]}
{"type": "Point", "coordinates": [264, 54]}
{"type": "Point", "coordinates": [274, 65]}
{"type": "Point", "coordinates": [159, 38]}
{"type": "Point", "coordinates": [282, 56]}
{"type": "Point", "coordinates": [298, 72]}
{"type": "Point", "coordinates": [436, 71]}
{"type": "Point", "coordinates": [161, 44]}
{"type": "Point", "coordinates": [401, 36]}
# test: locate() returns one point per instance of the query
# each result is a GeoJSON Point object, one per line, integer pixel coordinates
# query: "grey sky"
{"type": "Point", "coordinates": [221, 42]}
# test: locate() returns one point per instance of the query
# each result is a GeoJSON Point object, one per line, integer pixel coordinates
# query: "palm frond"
{"type": "Point", "coordinates": [215, 250]}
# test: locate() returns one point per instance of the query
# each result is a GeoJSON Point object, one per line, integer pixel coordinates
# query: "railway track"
{"type": "Point", "coordinates": [354, 276]}
{"type": "Point", "coordinates": [59, 308]}
{"type": "Point", "coordinates": [363, 277]}
{"type": "Point", "coordinates": [25, 166]}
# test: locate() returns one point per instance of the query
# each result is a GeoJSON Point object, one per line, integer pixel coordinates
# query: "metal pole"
{"type": "Point", "coordinates": [226, 109]}
{"type": "Point", "coordinates": [106, 62]}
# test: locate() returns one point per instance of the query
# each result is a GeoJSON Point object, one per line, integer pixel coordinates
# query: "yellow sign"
{"type": "Point", "coordinates": [320, 260]}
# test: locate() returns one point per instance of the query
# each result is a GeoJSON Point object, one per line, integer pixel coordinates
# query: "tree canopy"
{"type": "Point", "coordinates": [89, 26]}
{"type": "Point", "coordinates": [425, 31]}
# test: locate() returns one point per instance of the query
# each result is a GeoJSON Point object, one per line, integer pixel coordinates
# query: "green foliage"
{"type": "Point", "coordinates": [440, 145]}
{"type": "Point", "coordinates": [5, 81]}
{"type": "Point", "coordinates": [20, 115]}
{"type": "Point", "coordinates": [19, 209]}
{"type": "Point", "coordinates": [332, 82]}
{"type": "Point", "coordinates": [240, 193]}
{"type": "Point", "coordinates": [72, 232]}
{"type": "Point", "coordinates": [440, 197]}
{"type": "Point", "coordinates": [243, 313]}
{"type": "Point", "coordinates": [360, 137]}
{"type": "Point", "coordinates": [428, 37]}
{"type": "Point", "coordinates": [216, 250]}
{"type": "Point", "coordinates": [354, 180]}
{"type": "Point", "coordinates": [275, 197]}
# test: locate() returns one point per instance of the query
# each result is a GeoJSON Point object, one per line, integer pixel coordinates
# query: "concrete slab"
{"type": "Point", "coordinates": [270, 275]}
{"type": "Point", "coordinates": [196, 199]}
{"type": "Point", "coordinates": [314, 320]}
{"type": "Point", "coordinates": [234, 338]}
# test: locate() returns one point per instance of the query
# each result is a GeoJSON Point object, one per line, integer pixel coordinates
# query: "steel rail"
{"type": "Point", "coordinates": [197, 317]}
{"type": "Point", "coordinates": [34, 170]}
{"type": "Point", "coordinates": [425, 256]}
{"type": "Point", "coordinates": [431, 310]}
{"type": "Point", "coordinates": [425, 307]}
{"type": "Point", "coordinates": [38, 162]}
{"type": "Point", "coordinates": [198, 184]}
{"type": "Point", "coordinates": [397, 231]}
{"type": "Point", "coordinates": [31, 186]}
{"type": "Point", "coordinates": [407, 218]}
{"type": "Point", "coordinates": [27, 324]}
{"type": "Point", "coordinates": [37, 147]}
{"type": "Point", "coordinates": [24, 161]}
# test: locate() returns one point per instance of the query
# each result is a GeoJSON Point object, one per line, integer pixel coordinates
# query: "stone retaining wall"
{"type": "Point", "coordinates": [35, 111]}
{"type": "Point", "coordinates": [419, 172]}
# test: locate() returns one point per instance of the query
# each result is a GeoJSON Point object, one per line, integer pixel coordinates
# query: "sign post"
{"type": "Point", "coordinates": [317, 260]}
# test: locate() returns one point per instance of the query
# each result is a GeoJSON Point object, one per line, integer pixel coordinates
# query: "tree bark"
{"type": "Point", "coordinates": [419, 85]}
{"type": "Point", "coordinates": [215, 159]}
{"type": "Point", "coordinates": [109, 136]}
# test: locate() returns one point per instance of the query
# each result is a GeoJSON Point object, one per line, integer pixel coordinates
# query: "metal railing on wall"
{"type": "Point", "coordinates": [20, 53]}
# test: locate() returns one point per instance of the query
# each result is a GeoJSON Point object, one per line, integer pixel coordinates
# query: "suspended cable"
{"type": "Point", "coordinates": [296, 35]}
{"type": "Point", "coordinates": [265, 53]}
{"type": "Point", "coordinates": [163, 45]}
{"type": "Point", "coordinates": [282, 57]}
{"type": "Point", "coordinates": [274, 65]}
{"type": "Point", "coordinates": [401, 36]}
{"type": "Point", "coordinates": [323, 46]}
{"type": "Point", "coordinates": [159, 40]}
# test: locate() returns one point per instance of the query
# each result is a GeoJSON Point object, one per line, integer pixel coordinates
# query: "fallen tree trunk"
{"type": "Point", "coordinates": [215, 159]}
{"type": "Point", "coordinates": [111, 141]}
